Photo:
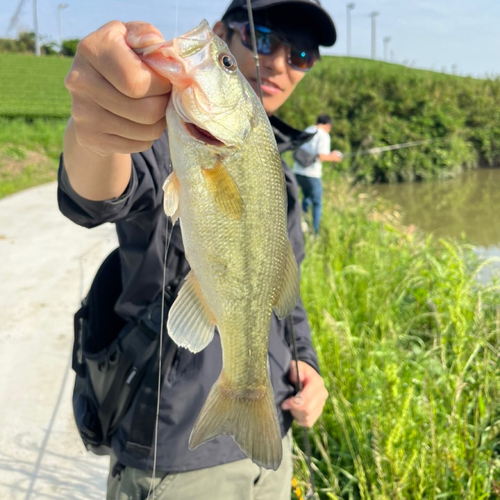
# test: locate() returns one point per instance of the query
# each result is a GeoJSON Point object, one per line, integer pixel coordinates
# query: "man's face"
{"type": "Point", "coordinates": [278, 78]}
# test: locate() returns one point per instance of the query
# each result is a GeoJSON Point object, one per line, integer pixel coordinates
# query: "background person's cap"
{"type": "Point", "coordinates": [323, 24]}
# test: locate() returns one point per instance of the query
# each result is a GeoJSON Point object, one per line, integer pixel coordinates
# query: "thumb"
{"type": "Point", "coordinates": [141, 35]}
{"type": "Point", "coordinates": [292, 374]}
{"type": "Point", "coordinates": [293, 402]}
{"type": "Point", "coordinates": [146, 40]}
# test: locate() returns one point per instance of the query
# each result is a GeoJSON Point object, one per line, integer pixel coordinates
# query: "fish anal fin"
{"type": "Point", "coordinates": [190, 324]}
{"type": "Point", "coordinates": [171, 191]}
{"type": "Point", "coordinates": [289, 294]}
{"type": "Point", "coordinates": [224, 191]}
{"type": "Point", "coordinates": [250, 419]}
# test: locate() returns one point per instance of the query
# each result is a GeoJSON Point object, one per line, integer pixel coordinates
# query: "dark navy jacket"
{"type": "Point", "coordinates": [141, 227]}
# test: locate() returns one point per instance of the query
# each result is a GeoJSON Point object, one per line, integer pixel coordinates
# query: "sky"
{"type": "Point", "coordinates": [454, 36]}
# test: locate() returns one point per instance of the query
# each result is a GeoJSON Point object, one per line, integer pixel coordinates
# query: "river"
{"type": "Point", "coordinates": [467, 205]}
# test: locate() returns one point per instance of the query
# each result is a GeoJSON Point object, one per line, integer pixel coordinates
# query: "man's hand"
{"type": "Point", "coordinates": [334, 156]}
{"type": "Point", "coordinates": [118, 103]}
{"type": "Point", "coordinates": [118, 107]}
{"type": "Point", "coordinates": [306, 406]}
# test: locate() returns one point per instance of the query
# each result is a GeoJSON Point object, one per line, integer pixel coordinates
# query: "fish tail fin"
{"type": "Point", "coordinates": [251, 420]}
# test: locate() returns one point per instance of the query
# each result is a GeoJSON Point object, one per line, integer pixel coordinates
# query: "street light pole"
{"type": "Point", "coordinates": [387, 40]}
{"type": "Point", "coordinates": [60, 8]}
{"type": "Point", "coordinates": [373, 15]}
{"type": "Point", "coordinates": [350, 6]}
{"type": "Point", "coordinates": [35, 22]}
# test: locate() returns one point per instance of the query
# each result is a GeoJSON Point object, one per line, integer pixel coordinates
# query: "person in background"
{"type": "Point", "coordinates": [115, 160]}
{"type": "Point", "coordinates": [309, 177]}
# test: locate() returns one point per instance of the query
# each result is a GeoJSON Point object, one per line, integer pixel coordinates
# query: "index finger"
{"type": "Point", "coordinates": [116, 61]}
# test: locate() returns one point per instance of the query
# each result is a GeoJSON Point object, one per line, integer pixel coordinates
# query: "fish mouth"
{"type": "Point", "coordinates": [202, 135]}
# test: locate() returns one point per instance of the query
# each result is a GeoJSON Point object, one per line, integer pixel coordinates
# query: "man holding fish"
{"type": "Point", "coordinates": [239, 216]}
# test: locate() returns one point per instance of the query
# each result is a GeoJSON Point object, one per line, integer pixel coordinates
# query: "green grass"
{"type": "Point", "coordinates": [33, 87]}
{"type": "Point", "coordinates": [29, 152]}
{"type": "Point", "coordinates": [408, 344]}
{"type": "Point", "coordinates": [31, 174]}
{"type": "Point", "coordinates": [34, 109]}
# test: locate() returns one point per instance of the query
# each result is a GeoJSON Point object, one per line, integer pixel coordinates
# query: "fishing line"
{"type": "Point", "coordinates": [176, 18]}
{"type": "Point", "coordinates": [168, 237]}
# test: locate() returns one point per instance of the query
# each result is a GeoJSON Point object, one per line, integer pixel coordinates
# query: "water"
{"type": "Point", "coordinates": [467, 206]}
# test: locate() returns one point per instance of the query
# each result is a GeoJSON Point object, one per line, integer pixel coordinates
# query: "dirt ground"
{"type": "Point", "coordinates": [46, 265]}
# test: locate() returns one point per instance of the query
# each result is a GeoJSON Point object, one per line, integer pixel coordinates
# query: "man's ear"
{"type": "Point", "coordinates": [220, 29]}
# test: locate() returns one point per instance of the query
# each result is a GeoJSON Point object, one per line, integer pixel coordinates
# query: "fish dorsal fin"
{"type": "Point", "coordinates": [224, 190]}
{"type": "Point", "coordinates": [171, 198]}
{"type": "Point", "coordinates": [190, 324]}
{"type": "Point", "coordinates": [289, 294]}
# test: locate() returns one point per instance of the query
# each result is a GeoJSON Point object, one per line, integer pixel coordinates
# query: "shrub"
{"type": "Point", "coordinates": [68, 47]}
{"type": "Point", "coordinates": [378, 104]}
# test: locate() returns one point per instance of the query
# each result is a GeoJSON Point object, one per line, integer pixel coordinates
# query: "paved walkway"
{"type": "Point", "coordinates": [46, 266]}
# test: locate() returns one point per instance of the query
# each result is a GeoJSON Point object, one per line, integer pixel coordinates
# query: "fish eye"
{"type": "Point", "coordinates": [227, 62]}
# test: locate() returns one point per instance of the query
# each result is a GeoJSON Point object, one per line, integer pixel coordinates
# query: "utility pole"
{"type": "Point", "coordinates": [387, 40]}
{"type": "Point", "coordinates": [15, 18]}
{"type": "Point", "coordinates": [60, 8]}
{"type": "Point", "coordinates": [35, 22]}
{"type": "Point", "coordinates": [350, 6]}
{"type": "Point", "coordinates": [373, 15]}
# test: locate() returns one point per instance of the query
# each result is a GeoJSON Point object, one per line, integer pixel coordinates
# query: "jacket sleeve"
{"type": "Point", "coordinates": [143, 193]}
{"type": "Point", "coordinates": [299, 321]}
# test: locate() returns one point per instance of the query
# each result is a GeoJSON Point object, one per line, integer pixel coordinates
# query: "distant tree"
{"type": "Point", "coordinates": [8, 45]}
{"type": "Point", "coordinates": [68, 47]}
{"type": "Point", "coordinates": [50, 49]}
{"type": "Point", "coordinates": [26, 42]}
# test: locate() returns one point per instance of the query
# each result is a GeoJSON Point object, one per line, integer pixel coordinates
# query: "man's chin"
{"type": "Point", "coordinates": [270, 105]}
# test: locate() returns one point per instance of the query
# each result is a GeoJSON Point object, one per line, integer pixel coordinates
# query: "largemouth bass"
{"type": "Point", "coordinates": [228, 190]}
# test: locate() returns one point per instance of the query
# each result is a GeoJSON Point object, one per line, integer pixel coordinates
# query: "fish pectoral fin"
{"type": "Point", "coordinates": [289, 294]}
{"type": "Point", "coordinates": [224, 191]}
{"type": "Point", "coordinates": [251, 419]}
{"type": "Point", "coordinates": [190, 324]}
{"type": "Point", "coordinates": [171, 191]}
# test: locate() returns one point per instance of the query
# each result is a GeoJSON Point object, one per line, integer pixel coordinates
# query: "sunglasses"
{"type": "Point", "coordinates": [268, 42]}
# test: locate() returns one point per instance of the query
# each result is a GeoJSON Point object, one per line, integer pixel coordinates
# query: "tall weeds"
{"type": "Point", "coordinates": [408, 344]}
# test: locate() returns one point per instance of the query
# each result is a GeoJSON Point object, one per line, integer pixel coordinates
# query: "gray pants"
{"type": "Point", "coordinates": [241, 480]}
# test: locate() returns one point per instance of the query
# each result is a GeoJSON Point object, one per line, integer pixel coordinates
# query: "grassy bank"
{"type": "Point", "coordinates": [33, 87]}
{"type": "Point", "coordinates": [377, 104]}
{"type": "Point", "coordinates": [33, 112]}
{"type": "Point", "coordinates": [408, 343]}
{"type": "Point", "coordinates": [374, 104]}
{"type": "Point", "coordinates": [29, 152]}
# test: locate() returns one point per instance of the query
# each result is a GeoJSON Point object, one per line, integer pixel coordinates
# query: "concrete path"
{"type": "Point", "coordinates": [46, 266]}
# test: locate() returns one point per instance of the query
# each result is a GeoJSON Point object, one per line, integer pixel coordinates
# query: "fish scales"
{"type": "Point", "coordinates": [228, 191]}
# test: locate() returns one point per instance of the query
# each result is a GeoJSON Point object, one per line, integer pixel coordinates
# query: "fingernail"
{"type": "Point", "coordinates": [298, 400]}
{"type": "Point", "coordinates": [144, 40]}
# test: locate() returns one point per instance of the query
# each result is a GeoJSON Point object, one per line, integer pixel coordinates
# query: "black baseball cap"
{"type": "Point", "coordinates": [311, 12]}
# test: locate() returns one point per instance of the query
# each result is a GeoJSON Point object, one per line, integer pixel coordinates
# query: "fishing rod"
{"type": "Point", "coordinates": [388, 148]}
{"type": "Point", "coordinates": [311, 493]}
{"type": "Point", "coordinates": [254, 48]}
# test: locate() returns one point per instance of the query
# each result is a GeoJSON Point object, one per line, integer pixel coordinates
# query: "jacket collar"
{"type": "Point", "coordinates": [288, 137]}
